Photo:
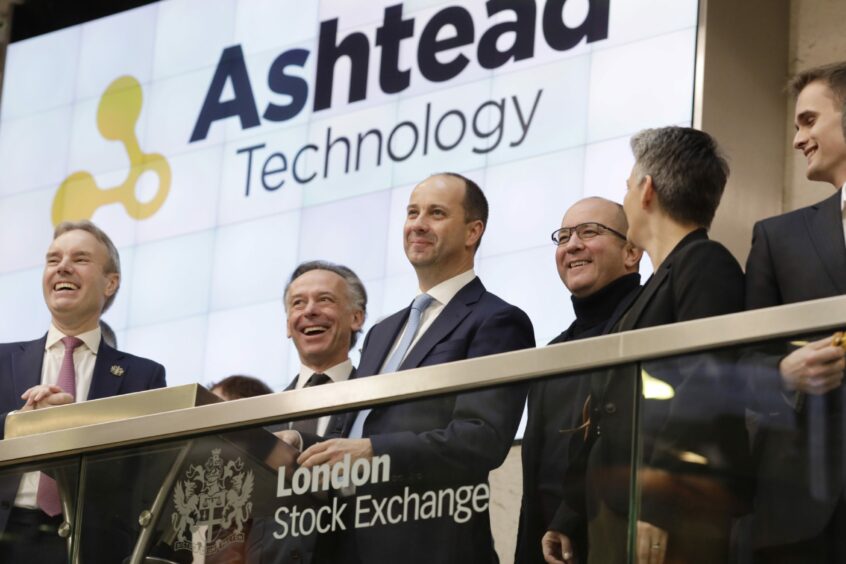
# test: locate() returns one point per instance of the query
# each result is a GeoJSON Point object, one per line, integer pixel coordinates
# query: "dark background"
{"type": "Point", "coordinates": [37, 17]}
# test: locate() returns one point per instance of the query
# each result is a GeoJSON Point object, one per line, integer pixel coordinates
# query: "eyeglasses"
{"type": "Point", "coordinates": [585, 231]}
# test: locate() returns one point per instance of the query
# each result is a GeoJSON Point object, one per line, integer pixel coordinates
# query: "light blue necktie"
{"type": "Point", "coordinates": [418, 306]}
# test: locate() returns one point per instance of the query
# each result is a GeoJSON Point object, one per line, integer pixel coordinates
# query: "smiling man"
{"type": "Point", "coordinates": [70, 363]}
{"type": "Point", "coordinates": [801, 255]}
{"type": "Point", "coordinates": [439, 442]}
{"type": "Point", "coordinates": [326, 305]}
{"type": "Point", "coordinates": [599, 268]}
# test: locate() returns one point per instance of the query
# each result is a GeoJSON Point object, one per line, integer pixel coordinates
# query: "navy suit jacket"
{"type": "Point", "coordinates": [20, 369]}
{"type": "Point", "coordinates": [442, 442]}
{"type": "Point", "coordinates": [796, 256]}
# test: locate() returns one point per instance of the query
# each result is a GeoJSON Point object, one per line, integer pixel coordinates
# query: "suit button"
{"type": "Point", "coordinates": [598, 431]}
{"type": "Point", "coordinates": [610, 408]}
{"type": "Point", "coordinates": [295, 555]}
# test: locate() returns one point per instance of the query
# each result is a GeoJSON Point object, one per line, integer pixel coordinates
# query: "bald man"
{"type": "Point", "coordinates": [600, 269]}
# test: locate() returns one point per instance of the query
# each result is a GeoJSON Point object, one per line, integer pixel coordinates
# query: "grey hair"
{"type": "Point", "coordinates": [355, 288]}
{"type": "Point", "coordinates": [688, 170]}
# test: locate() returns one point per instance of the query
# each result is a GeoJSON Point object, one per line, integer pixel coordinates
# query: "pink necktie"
{"type": "Point", "coordinates": [48, 492]}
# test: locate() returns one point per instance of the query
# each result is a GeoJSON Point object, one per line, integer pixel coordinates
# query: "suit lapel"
{"type": "Point", "coordinates": [104, 383]}
{"type": "Point", "coordinates": [630, 318]}
{"type": "Point", "coordinates": [454, 312]}
{"type": "Point", "coordinates": [824, 222]}
{"type": "Point", "coordinates": [293, 384]}
{"type": "Point", "coordinates": [27, 365]}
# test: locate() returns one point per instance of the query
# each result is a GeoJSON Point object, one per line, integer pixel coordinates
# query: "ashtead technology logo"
{"type": "Point", "coordinates": [117, 115]}
{"type": "Point", "coordinates": [212, 505]}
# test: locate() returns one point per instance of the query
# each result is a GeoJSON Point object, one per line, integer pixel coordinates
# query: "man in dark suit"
{"type": "Point", "coordinates": [326, 305]}
{"type": "Point", "coordinates": [673, 192]}
{"type": "Point", "coordinates": [442, 442]}
{"type": "Point", "coordinates": [800, 512]}
{"type": "Point", "coordinates": [71, 363]}
{"type": "Point", "coordinates": [599, 267]}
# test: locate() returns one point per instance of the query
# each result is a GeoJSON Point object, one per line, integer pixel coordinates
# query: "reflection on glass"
{"type": "Point", "coordinates": [693, 459]}
{"type": "Point", "coordinates": [39, 512]}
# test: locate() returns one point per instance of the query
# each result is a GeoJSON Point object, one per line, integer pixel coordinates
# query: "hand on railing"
{"type": "Point", "coordinates": [290, 437]}
{"type": "Point", "coordinates": [334, 450]}
{"type": "Point", "coordinates": [41, 396]}
{"type": "Point", "coordinates": [815, 368]}
{"type": "Point", "coordinates": [557, 548]}
{"type": "Point", "coordinates": [651, 544]}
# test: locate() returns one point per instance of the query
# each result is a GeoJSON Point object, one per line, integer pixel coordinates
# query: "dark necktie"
{"type": "Point", "coordinates": [310, 425]}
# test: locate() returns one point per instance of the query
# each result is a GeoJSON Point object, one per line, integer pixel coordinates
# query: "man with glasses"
{"type": "Point", "coordinates": [600, 269]}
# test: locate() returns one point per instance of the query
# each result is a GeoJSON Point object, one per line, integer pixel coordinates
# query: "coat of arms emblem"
{"type": "Point", "coordinates": [212, 504]}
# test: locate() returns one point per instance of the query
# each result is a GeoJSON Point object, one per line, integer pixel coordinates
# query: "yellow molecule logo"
{"type": "Point", "coordinates": [79, 196]}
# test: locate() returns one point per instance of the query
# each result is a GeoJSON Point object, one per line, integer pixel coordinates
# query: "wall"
{"type": "Point", "coordinates": [816, 38]}
{"type": "Point", "coordinates": [740, 100]}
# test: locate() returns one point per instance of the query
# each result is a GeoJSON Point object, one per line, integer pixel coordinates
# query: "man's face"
{"type": "Point", "coordinates": [435, 235]}
{"type": "Point", "coordinates": [819, 134]}
{"type": "Point", "coordinates": [75, 284]}
{"type": "Point", "coordinates": [586, 266]}
{"type": "Point", "coordinates": [321, 318]}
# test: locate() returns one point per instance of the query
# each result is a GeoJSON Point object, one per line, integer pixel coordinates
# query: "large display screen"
{"type": "Point", "coordinates": [222, 142]}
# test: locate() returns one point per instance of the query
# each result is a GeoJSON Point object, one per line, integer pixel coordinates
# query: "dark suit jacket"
{"type": "Point", "coordinates": [797, 256]}
{"type": "Point", "coordinates": [555, 405]}
{"type": "Point", "coordinates": [20, 369]}
{"type": "Point", "coordinates": [443, 442]}
{"type": "Point", "coordinates": [263, 548]}
{"type": "Point", "coordinates": [699, 278]}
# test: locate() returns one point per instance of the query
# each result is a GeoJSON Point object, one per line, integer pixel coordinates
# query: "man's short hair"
{"type": "Point", "coordinates": [113, 260]}
{"type": "Point", "coordinates": [832, 75]}
{"type": "Point", "coordinates": [688, 171]}
{"type": "Point", "coordinates": [355, 288]}
{"type": "Point", "coordinates": [239, 386]}
{"type": "Point", "coordinates": [108, 334]}
{"type": "Point", "coordinates": [475, 203]}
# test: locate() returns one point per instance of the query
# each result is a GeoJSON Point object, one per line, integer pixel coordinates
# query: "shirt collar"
{"type": "Point", "coordinates": [337, 373]}
{"type": "Point", "coordinates": [843, 197]}
{"type": "Point", "coordinates": [91, 339]}
{"type": "Point", "coordinates": [447, 289]}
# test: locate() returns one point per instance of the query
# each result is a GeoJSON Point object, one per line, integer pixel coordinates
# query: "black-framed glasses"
{"type": "Point", "coordinates": [585, 231]}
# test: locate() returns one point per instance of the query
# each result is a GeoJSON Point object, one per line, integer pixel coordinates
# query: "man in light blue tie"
{"type": "Point", "coordinates": [443, 442]}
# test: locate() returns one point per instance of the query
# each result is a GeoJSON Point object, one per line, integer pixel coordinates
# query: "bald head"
{"type": "Point", "coordinates": [588, 265]}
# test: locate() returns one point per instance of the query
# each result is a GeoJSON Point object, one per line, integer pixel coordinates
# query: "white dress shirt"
{"type": "Point", "coordinates": [338, 373]}
{"type": "Point", "coordinates": [441, 294]}
{"type": "Point", "coordinates": [84, 358]}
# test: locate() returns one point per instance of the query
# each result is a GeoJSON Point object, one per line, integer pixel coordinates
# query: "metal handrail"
{"type": "Point", "coordinates": [565, 358]}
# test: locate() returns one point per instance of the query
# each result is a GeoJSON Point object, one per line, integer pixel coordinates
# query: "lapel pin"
{"type": "Point", "coordinates": [116, 370]}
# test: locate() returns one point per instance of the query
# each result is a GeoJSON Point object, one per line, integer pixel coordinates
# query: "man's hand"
{"type": "Point", "coordinates": [651, 544]}
{"type": "Point", "coordinates": [815, 368]}
{"type": "Point", "coordinates": [41, 396]}
{"type": "Point", "coordinates": [289, 437]}
{"type": "Point", "coordinates": [334, 450]}
{"type": "Point", "coordinates": [557, 548]}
